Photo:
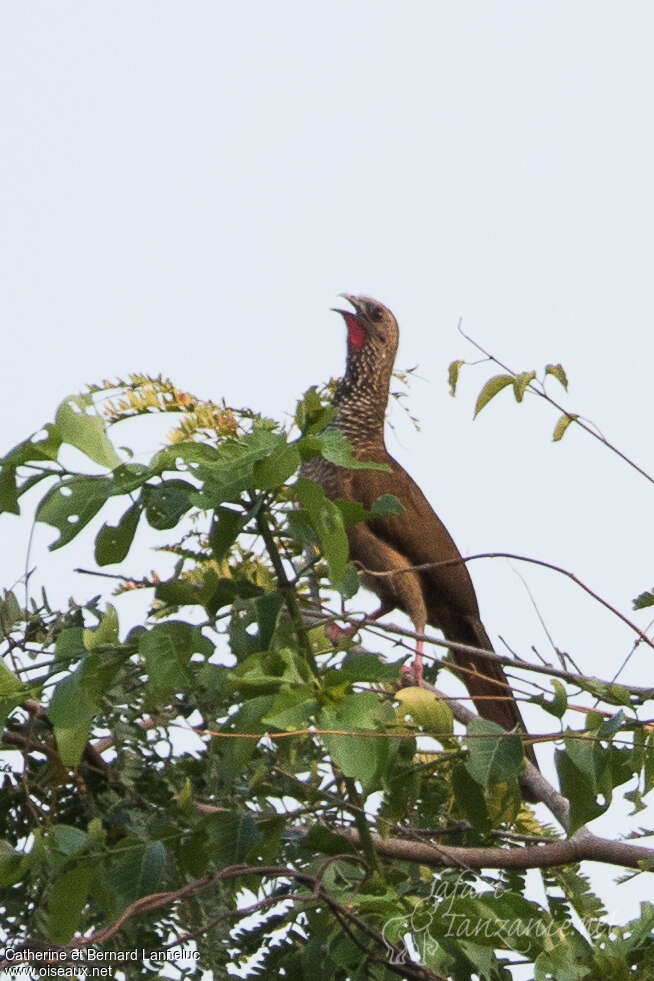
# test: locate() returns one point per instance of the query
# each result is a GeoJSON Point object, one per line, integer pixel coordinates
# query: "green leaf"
{"type": "Point", "coordinates": [37, 447]}
{"type": "Point", "coordinates": [387, 504]}
{"type": "Point", "coordinates": [453, 375]}
{"type": "Point", "coordinates": [66, 901]}
{"type": "Point", "coordinates": [349, 584]}
{"type": "Point", "coordinates": [361, 758]}
{"type": "Point", "coordinates": [167, 650]}
{"type": "Point", "coordinates": [231, 835]}
{"type": "Point", "coordinates": [338, 450]}
{"type": "Point", "coordinates": [129, 477]}
{"type": "Point", "coordinates": [559, 703]}
{"type": "Point", "coordinates": [291, 710]}
{"type": "Point", "coordinates": [311, 415]}
{"type": "Point", "coordinates": [521, 383]}
{"type": "Point", "coordinates": [105, 633]}
{"type": "Point", "coordinates": [12, 691]}
{"type": "Point", "coordinates": [470, 799]}
{"type": "Point", "coordinates": [558, 371]}
{"type": "Point", "coordinates": [643, 600]}
{"type": "Point", "coordinates": [578, 787]}
{"type": "Point", "coordinates": [8, 491]}
{"type": "Point", "coordinates": [165, 503]}
{"type": "Point", "coordinates": [137, 869]}
{"type": "Point", "coordinates": [70, 644]}
{"type": "Point", "coordinates": [11, 864]}
{"type": "Point", "coordinates": [328, 523]}
{"type": "Point", "coordinates": [71, 503]}
{"type": "Point", "coordinates": [226, 526]}
{"type": "Point", "coordinates": [69, 839]}
{"type": "Point", "coordinates": [648, 768]}
{"type": "Point", "coordinates": [562, 425]}
{"type": "Point", "coordinates": [490, 390]}
{"type": "Point", "coordinates": [85, 430]}
{"type": "Point", "coordinates": [71, 741]}
{"type": "Point", "coordinates": [112, 543]}
{"type": "Point", "coordinates": [275, 469]}
{"type": "Point", "coordinates": [76, 701]}
{"type": "Point", "coordinates": [495, 755]}
{"type": "Point", "coordinates": [231, 470]}
{"type": "Point", "coordinates": [360, 667]}
{"type": "Point", "coordinates": [10, 613]}
{"type": "Point", "coordinates": [587, 755]}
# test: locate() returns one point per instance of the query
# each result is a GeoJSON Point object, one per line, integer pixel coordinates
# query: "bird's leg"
{"type": "Point", "coordinates": [412, 673]}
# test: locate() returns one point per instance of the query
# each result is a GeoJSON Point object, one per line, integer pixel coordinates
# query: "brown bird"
{"type": "Point", "coordinates": [442, 597]}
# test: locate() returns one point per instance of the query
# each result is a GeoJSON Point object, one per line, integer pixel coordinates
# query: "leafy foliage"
{"type": "Point", "coordinates": [115, 829]}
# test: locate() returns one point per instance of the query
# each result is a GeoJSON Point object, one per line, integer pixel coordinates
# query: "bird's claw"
{"type": "Point", "coordinates": [411, 674]}
{"type": "Point", "coordinates": [336, 634]}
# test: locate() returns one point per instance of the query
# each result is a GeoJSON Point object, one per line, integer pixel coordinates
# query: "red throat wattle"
{"type": "Point", "coordinates": [356, 334]}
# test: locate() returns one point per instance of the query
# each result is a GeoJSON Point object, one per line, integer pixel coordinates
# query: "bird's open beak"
{"type": "Point", "coordinates": [350, 299]}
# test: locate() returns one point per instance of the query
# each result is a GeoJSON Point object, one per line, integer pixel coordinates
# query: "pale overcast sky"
{"type": "Point", "coordinates": [186, 187]}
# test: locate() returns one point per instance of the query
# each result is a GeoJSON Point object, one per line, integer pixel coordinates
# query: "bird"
{"type": "Point", "coordinates": [441, 596]}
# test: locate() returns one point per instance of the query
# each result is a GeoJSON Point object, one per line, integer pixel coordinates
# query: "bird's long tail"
{"type": "Point", "coordinates": [485, 679]}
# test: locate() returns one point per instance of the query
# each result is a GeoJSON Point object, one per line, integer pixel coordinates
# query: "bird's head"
{"type": "Point", "coordinates": [371, 329]}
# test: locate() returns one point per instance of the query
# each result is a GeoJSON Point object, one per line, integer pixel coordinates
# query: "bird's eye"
{"type": "Point", "coordinates": [376, 314]}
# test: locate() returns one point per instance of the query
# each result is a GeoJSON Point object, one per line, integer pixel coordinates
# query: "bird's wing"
{"type": "Point", "coordinates": [419, 535]}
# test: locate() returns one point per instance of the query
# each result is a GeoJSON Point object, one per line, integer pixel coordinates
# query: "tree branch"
{"type": "Point", "coordinates": [583, 846]}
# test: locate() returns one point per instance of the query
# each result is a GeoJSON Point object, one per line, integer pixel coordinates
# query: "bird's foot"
{"type": "Point", "coordinates": [335, 634]}
{"type": "Point", "coordinates": [411, 674]}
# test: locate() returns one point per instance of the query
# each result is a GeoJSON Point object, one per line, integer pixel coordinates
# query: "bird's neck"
{"type": "Point", "coordinates": [361, 399]}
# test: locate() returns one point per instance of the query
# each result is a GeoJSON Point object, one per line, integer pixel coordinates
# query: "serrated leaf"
{"type": "Point", "coordinates": [494, 754]}
{"type": "Point", "coordinates": [470, 798]}
{"type": "Point", "coordinates": [360, 758]}
{"type": "Point", "coordinates": [328, 524]}
{"type": "Point", "coordinates": [337, 449]}
{"type": "Point", "coordinates": [453, 375]}
{"type": "Point", "coordinates": [311, 415]}
{"type": "Point", "coordinates": [230, 470]}
{"type": "Point", "coordinates": [85, 430]}
{"type": "Point", "coordinates": [112, 543]}
{"type": "Point", "coordinates": [562, 425]}
{"type": "Point", "coordinates": [558, 371]}
{"type": "Point", "coordinates": [70, 644]}
{"type": "Point", "coordinates": [521, 382]}
{"type": "Point", "coordinates": [275, 469]}
{"type": "Point", "coordinates": [360, 667]}
{"type": "Point", "coordinates": [167, 649]}
{"type": "Point", "coordinates": [490, 390]}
